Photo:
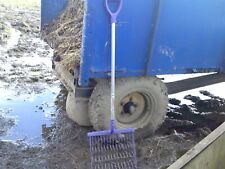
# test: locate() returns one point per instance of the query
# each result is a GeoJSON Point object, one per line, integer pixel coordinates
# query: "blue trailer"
{"type": "Point", "coordinates": [154, 37]}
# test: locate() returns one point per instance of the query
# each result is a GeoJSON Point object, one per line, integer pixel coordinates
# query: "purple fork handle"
{"type": "Point", "coordinates": [114, 14]}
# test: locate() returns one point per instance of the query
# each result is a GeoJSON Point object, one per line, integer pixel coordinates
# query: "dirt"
{"type": "Point", "coordinates": [4, 32]}
{"type": "Point", "coordinates": [64, 35]}
{"type": "Point", "coordinates": [34, 130]}
{"type": "Point", "coordinates": [5, 123]}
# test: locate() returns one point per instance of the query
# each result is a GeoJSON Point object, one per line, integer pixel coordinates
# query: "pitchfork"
{"type": "Point", "coordinates": [113, 148]}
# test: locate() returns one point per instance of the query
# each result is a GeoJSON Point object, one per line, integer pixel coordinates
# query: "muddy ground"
{"type": "Point", "coordinates": [34, 130]}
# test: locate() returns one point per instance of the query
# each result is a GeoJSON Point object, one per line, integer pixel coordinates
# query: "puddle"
{"type": "Point", "coordinates": [34, 116]}
{"type": "Point", "coordinates": [28, 87]}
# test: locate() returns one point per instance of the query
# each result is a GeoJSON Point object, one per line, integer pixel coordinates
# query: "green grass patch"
{"type": "Point", "coordinates": [30, 4]}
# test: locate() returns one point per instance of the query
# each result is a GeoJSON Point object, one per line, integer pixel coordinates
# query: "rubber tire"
{"type": "Point", "coordinates": [77, 109]}
{"type": "Point", "coordinates": [99, 103]}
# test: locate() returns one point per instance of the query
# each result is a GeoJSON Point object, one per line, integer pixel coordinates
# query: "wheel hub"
{"type": "Point", "coordinates": [131, 108]}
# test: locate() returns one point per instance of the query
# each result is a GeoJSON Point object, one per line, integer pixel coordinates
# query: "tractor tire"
{"type": "Point", "coordinates": [77, 109]}
{"type": "Point", "coordinates": [140, 103]}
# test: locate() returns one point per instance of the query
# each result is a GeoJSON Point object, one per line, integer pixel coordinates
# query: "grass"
{"type": "Point", "coordinates": [29, 4]}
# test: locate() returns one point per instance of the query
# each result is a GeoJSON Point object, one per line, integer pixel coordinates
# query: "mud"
{"type": "Point", "coordinates": [34, 130]}
{"type": "Point", "coordinates": [208, 113]}
{"type": "Point", "coordinates": [5, 123]}
{"type": "Point", "coordinates": [4, 32]}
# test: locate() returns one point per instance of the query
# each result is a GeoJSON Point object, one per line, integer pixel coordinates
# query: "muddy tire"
{"type": "Point", "coordinates": [141, 103]}
{"type": "Point", "coordinates": [77, 109]}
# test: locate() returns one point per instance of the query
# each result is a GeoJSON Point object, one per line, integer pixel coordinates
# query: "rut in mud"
{"type": "Point", "coordinates": [34, 130]}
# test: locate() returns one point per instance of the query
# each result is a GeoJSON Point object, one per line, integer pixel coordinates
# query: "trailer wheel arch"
{"type": "Point", "coordinates": [152, 89]}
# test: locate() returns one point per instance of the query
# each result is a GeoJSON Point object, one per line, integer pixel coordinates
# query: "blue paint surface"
{"type": "Point", "coordinates": [50, 10]}
{"type": "Point", "coordinates": [190, 35]}
{"type": "Point", "coordinates": [170, 37]}
{"type": "Point", "coordinates": [133, 39]}
{"type": "Point", "coordinates": [182, 36]}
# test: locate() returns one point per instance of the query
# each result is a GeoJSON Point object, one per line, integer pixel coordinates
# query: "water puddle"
{"type": "Point", "coordinates": [28, 87]}
{"type": "Point", "coordinates": [33, 114]}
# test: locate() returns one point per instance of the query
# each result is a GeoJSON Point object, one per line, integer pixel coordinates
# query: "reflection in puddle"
{"type": "Point", "coordinates": [34, 116]}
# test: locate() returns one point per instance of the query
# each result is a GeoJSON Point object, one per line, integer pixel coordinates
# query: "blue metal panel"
{"type": "Point", "coordinates": [134, 31]}
{"type": "Point", "coordinates": [153, 37]}
{"type": "Point", "coordinates": [50, 9]}
{"type": "Point", "coordinates": [190, 36]}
